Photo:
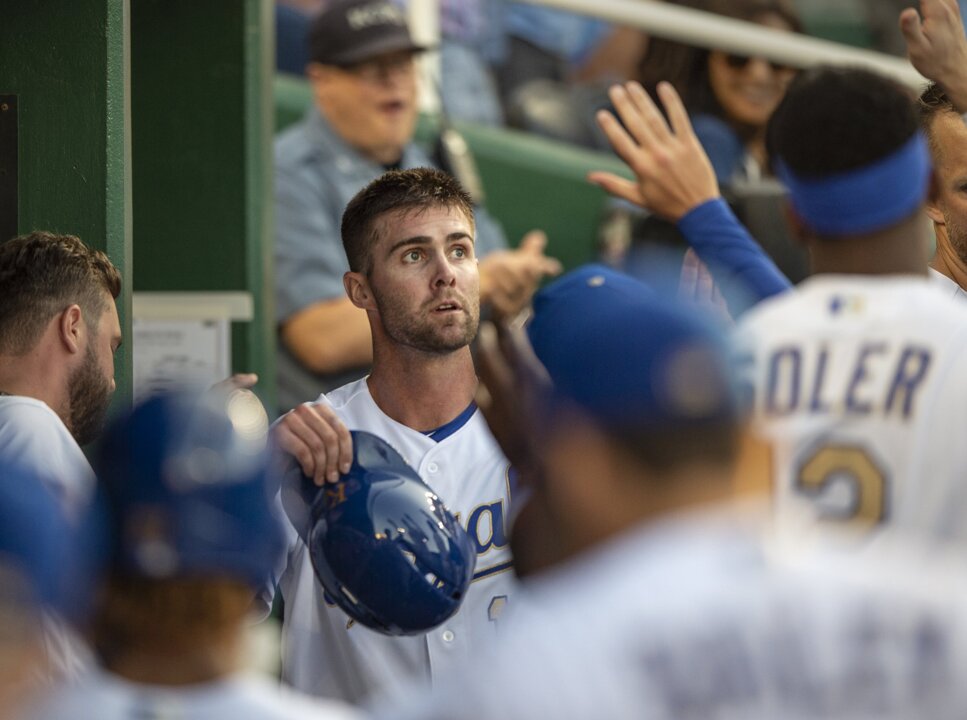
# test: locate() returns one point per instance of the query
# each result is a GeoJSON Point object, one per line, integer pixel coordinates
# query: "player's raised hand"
{"type": "Point", "coordinates": [673, 173]}
{"type": "Point", "coordinates": [318, 439]}
{"type": "Point", "coordinates": [508, 278]}
{"type": "Point", "coordinates": [937, 46]}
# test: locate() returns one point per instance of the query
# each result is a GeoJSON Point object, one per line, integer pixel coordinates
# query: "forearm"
{"type": "Point", "coordinates": [730, 252]}
{"type": "Point", "coordinates": [329, 337]}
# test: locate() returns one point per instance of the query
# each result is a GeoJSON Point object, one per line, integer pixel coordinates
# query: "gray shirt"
{"type": "Point", "coordinates": [316, 175]}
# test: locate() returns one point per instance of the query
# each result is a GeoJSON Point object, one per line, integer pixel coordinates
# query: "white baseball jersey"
{"type": "Point", "coordinates": [104, 696]}
{"type": "Point", "coordinates": [35, 436]}
{"type": "Point", "coordinates": [949, 286]}
{"type": "Point", "coordinates": [325, 654]}
{"type": "Point", "coordinates": [859, 385]}
{"type": "Point", "coordinates": [696, 619]}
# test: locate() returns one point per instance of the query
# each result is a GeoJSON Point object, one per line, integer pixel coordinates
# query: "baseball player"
{"type": "Point", "coordinates": [409, 238]}
{"type": "Point", "coordinates": [59, 330]}
{"type": "Point", "coordinates": [669, 603]}
{"type": "Point", "coordinates": [187, 533]}
{"type": "Point", "coordinates": [852, 371]}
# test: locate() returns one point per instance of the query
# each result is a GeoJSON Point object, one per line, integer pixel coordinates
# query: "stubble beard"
{"type": "Point", "coordinates": [420, 334]}
{"type": "Point", "coordinates": [90, 396]}
{"type": "Point", "coordinates": [957, 236]}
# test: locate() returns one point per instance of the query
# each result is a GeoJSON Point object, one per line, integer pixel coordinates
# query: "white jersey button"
{"type": "Point", "coordinates": [448, 636]}
{"type": "Point", "coordinates": [432, 467]}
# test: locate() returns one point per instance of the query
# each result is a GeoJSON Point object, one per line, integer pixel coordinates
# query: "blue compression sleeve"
{"type": "Point", "coordinates": [731, 254]}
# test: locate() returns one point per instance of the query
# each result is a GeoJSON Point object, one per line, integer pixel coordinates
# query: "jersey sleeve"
{"type": "Point", "coordinates": [741, 268]}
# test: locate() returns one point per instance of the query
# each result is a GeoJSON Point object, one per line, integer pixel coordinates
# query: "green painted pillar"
{"type": "Point", "coordinates": [66, 62]}
{"type": "Point", "coordinates": [202, 143]}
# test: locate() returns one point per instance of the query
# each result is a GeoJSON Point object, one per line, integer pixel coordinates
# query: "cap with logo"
{"type": "Point", "coordinates": [353, 31]}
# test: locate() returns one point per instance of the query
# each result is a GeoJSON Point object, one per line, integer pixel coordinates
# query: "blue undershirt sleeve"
{"type": "Point", "coordinates": [734, 258]}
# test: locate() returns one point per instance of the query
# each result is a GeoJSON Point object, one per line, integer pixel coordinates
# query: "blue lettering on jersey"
{"type": "Point", "coordinates": [882, 378]}
{"type": "Point", "coordinates": [491, 533]}
{"type": "Point", "coordinates": [855, 404]}
{"type": "Point", "coordinates": [785, 368]}
{"type": "Point", "coordinates": [910, 372]}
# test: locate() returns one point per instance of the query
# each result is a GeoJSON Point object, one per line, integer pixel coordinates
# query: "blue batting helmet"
{"type": "Point", "coordinates": [184, 482]}
{"type": "Point", "coordinates": [382, 544]}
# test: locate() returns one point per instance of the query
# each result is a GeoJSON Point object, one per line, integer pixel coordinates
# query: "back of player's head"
{"type": "Point", "coordinates": [397, 191]}
{"type": "Point", "coordinates": [845, 141]}
{"type": "Point", "coordinates": [654, 375]}
{"type": "Point", "coordinates": [42, 273]}
{"type": "Point", "coordinates": [184, 527]}
{"type": "Point", "coordinates": [382, 544]}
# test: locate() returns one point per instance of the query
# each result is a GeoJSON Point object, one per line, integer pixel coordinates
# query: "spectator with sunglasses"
{"type": "Point", "coordinates": [729, 96]}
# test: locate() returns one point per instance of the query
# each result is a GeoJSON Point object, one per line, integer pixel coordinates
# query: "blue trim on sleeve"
{"type": "Point", "coordinates": [446, 430]}
{"type": "Point", "coordinates": [735, 259]}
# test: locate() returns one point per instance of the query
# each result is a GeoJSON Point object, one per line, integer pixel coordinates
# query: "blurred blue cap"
{"type": "Point", "coordinates": [184, 480]}
{"type": "Point", "coordinates": [35, 538]}
{"type": "Point", "coordinates": [628, 357]}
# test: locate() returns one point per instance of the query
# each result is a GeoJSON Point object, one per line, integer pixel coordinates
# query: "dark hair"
{"type": "Point", "coordinates": [396, 191]}
{"type": "Point", "coordinates": [686, 67]}
{"type": "Point", "coordinates": [837, 119]}
{"type": "Point", "coordinates": [665, 449]}
{"type": "Point", "coordinates": [40, 275]}
{"type": "Point", "coordinates": [932, 102]}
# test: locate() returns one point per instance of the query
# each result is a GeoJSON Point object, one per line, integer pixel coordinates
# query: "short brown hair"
{"type": "Point", "coordinates": [932, 102]}
{"type": "Point", "coordinates": [170, 617]}
{"type": "Point", "coordinates": [41, 274]}
{"type": "Point", "coordinates": [396, 191]}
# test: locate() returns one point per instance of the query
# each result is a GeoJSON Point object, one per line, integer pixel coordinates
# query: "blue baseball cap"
{"type": "Point", "coordinates": [628, 357]}
{"type": "Point", "coordinates": [35, 539]}
{"type": "Point", "coordinates": [184, 482]}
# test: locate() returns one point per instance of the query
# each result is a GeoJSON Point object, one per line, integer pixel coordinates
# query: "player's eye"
{"type": "Point", "coordinates": [412, 256]}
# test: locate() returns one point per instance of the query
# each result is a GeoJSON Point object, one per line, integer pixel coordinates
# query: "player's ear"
{"type": "Point", "coordinates": [933, 211]}
{"type": "Point", "coordinates": [70, 327]}
{"type": "Point", "coordinates": [358, 290]}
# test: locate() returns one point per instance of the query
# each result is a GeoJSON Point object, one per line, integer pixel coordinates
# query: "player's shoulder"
{"type": "Point", "coordinates": [347, 396]}
{"type": "Point", "coordinates": [27, 422]}
{"type": "Point", "coordinates": [900, 300]}
{"type": "Point", "coordinates": [20, 405]}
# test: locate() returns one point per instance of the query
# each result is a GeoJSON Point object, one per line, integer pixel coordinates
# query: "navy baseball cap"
{"type": "Point", "coordinates": [35, 538]}
{"type": "Point", "coordinates": [630, 358]}
{"type": "Point", "coordinates": [352, 31]}
{"type": "Point", "coordinates": [184, 482]}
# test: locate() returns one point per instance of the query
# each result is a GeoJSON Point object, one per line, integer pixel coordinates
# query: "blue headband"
{"type": "Point", "coordinates": [866, 199]}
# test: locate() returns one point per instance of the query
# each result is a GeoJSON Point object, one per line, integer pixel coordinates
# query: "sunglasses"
{"type": "Point", "coordinates": [738, 62]}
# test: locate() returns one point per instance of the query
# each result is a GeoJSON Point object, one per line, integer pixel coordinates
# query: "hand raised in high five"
{"type": "Point", "coordinates": [673, 173]}
{"type": "Point", "coordinates": [937, 46]}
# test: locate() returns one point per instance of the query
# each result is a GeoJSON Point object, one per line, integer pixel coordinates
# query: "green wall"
{"type": "Point", "coordinates": [67, 60]}
{"type": "Point", "coordinates": [202, 130]}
